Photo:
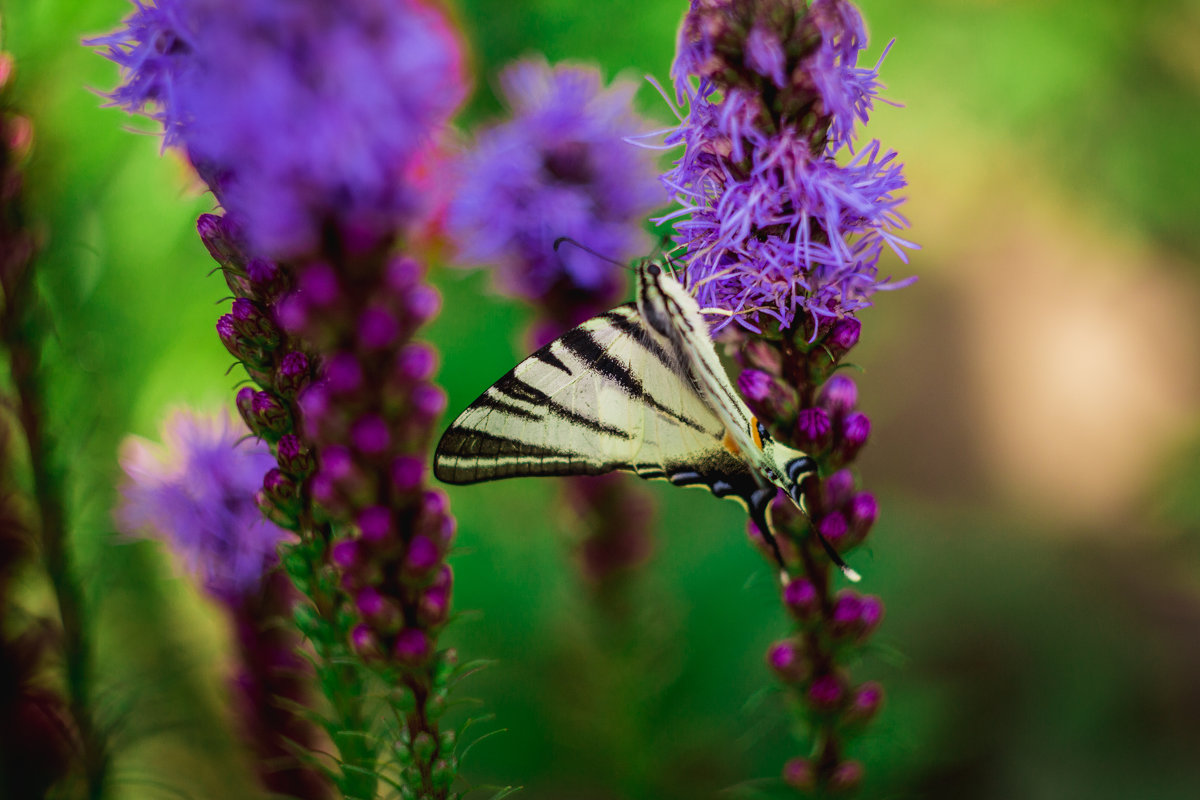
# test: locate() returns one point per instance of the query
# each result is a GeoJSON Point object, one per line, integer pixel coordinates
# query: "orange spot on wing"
{"type": "Point", "coordinates": [729, 444]}
{"type": "Point", "coordinates": [754, 433]}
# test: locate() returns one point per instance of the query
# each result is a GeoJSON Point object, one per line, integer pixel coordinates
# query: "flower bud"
{"type": "Point", "coordinates": [428, 401]}
{"type": "Point", "coordinates": [787, 659]}
{"type": "Point", "coordinates": [279, 488]}
{"type": "Point", "coordinates": [423, 303]}
{"type": "Point", "coordinates": [343, 374]}
{"type": "Point", "coordinates": [838, 396]}
{"type": "Point", "coordinates": [292, 456]}
{"type": "Point", "coordinates": [293, 374]}
{"type": "Point", "coordinates": [422, 554]}
{"type": "Point", "coordinates": [375, 523]}
{"type": "Point", "coordinates": [847, 613]}
{"type": "Point", "coordinates": [270, 414]}
{"type": "Point", "coordinates": [435, 600]}
{"type": "Point", "coordinates": [870, 614]}
{"type": "Point", "coordinates": [761, 355]}
{"type": "Point", "coordinates": [799, 774]}
{"type": "Point", "coordinates": [230, 338]}
{"type": "Point", "coordinates": [801, 598]}
{"type": "Point", "coordinates": [363, 640]}
{"type": "Point", "coordinates": [856, 428]}
{"type": "Point", "coordinates": [318, 285]}
{"type": "Point", "coordinates": [836, 490]}
{"type": "Point", "coordinates": [216, 235]}
{"type": "Point", "coordinates": [412, 646]}
{"type": "Point", "coordinates": [865, 703]}
{"type": "Point", "coordinates": [245, 407]}
{"type": "Point", "coordinates": [825, 693]}
{"type": "Point", "coordinates": [407, 473]}
{"type": "Point", "coordinates": [813, 428]}
{"type": "Point", "coordinates": [377, 328]}
{"type": "Point", "coordinates": [843, 336]}
{"type": "Point", "coordinates": [344, 554]}
{"type": "Point", "coordinates": [252, 323]}
{"type": "Point", "coordinates": [266, 278]}
{"type": "Point", "coordinates": [402, 274]}
{"type": "Point", "coordinates": [833, 528]}
{"type": "Point", "coordinates": [846, 777]}
{"type": "Point", "coordinates": [863, 510]}
{"type": "Point", "coordinates": [416, 362]}
{"type": "Point", "coordinates": [370, 436]}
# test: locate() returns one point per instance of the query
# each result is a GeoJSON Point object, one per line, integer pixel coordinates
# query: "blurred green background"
{"type": "Point", "coordinates": [1036, 444]}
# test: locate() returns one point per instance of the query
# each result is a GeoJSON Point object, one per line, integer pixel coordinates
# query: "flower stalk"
{"type": "Point", "coordinates": [784, 220]}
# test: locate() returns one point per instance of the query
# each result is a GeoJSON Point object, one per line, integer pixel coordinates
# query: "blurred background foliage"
{"type": "Point", "coordinates": [1036, 445]}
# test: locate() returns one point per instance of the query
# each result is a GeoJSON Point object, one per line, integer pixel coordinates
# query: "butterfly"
{"type": "Point", "coordinates": [639, 388]}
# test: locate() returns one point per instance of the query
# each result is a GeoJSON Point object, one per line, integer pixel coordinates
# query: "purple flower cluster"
{"type": "Point", "coordinates": [561, 166]}
{"type": "Point", "coordinates": [303, 115]}
{"type": "Point", "coordinates": [196, 492]}
{"type": "Point", "coordinates": [778, 225]}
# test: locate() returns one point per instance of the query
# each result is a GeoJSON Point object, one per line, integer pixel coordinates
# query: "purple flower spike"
{"type": "Point", "coordinates": [196, 493]}
{"type": "Point", "coordinates": [561, 166]}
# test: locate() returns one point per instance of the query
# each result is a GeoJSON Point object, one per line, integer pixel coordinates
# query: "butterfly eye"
{"type": "Point", "coordinates": [654, 270]}
{"type": "Point", "coordinates": [799, 467]}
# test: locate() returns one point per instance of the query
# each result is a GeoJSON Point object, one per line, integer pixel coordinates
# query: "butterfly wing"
{"type": "Point", "coordinates": [608, 395]}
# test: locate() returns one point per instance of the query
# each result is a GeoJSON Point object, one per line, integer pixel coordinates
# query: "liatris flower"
{"type": "Point", "coordinates": [561, 167]}
{"type": "Point", "coordinates": [783, 236]}
{"type": "Point", "coordinates": [306, 119]}
{"type": "Point", "coordinates": [299, 115]}
{"type": "Point", "coordinates": [196, 493]}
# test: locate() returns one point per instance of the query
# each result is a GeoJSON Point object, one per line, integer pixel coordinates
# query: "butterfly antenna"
{"type": "Point", "coordinates": [850, 574]}
{"type": "Point", "coordinates": [587, 249]}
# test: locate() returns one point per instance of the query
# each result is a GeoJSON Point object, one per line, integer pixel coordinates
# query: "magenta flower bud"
{"type": "Point", "coordinates": [412, 646]}
{"type": "Point", "coordinates": [833, 527]}
{"type": "Point", "coordinates": [363, 640]}
{"type": "Point", "coordinates": [856, 428]}
{"type": "Point", "coordinates": [446, 530]}
{"type": "Point", "coordinates": [863, 511]}
{"type": "Point", "coordinates": [755, 385]}
{"type": "Point", "coordinates": [847, 613]}
{"type": "Point", "coordinates": [839, 395]}
{"type": "Point", "coordinates": [266, 278]}
{"type": "Point", "coordinates": [402, 274]}
{"type": "Point", "coordinates": [343, 374]}
{"type": "Point", "coordinates": [870, 613]}
{"type": "Point", "coordinates": [812, 424]}
{"type": "Point", "coordinates": [825, 693]}
{"type": "Point", "coordinates": [377, 328]}
{"type": "Point", "coordinates": [279, 488]}
{"type": "Point", "coordinates": [319, 285]}
{"type": "Point", "coordinates": [407, 473]}
{"type": "Point", "coordinates": [217, 237]}
{"type": "Point", "coordinates": [798, 772]}
{"type": "Point", "coordinates": [867, 700]}
{"type": "Point", "coordinates": [336, 462]}
{"type": "Point", "coordinates": [245, 407]}
{"type": "Point", "coordinates": [434, 503]}
{"type": "Point", "coordinates": [801, 598]}
{"type": "Point", "coordinates": [416, 362]}
{"type": "Point", "coordinates": [428, 400]}
{"type": "Point", "coordinates": [846, 777]}
{"type": "Point", "coordinates": [843, 336]}
{"type": "Point", "coordinates": [375, 523]}
{"type": "Point", "coordinates": [423, 302]}
{"type": "Point", "coordinates": [270, 414]}
{"type": "Point", "coordinates": [293, 374]}
{"type": "Point", "coordinates": [435, 600]}
{"type": "Point", "coordinates": [422, 554]}
{"type": "Point", "coordinates": [370, 435]}
{"type": "Point", "coordinates": [761, 355]}
{"type": "Point", "coordinates": [292, 313]}
{"type": "Point", "coordinates": [787, 660]}
{"type": "Point", "coordinates": [370, 603]}
{"type": "Point", "coordinates": [292, 455]}
{"type": "Point", "coordinates": [324, 489]}
{"type": "Point", "coordinates": [344, 554]}
{"type": "Point", "coordinates": [250, 322]}
{"type": "Point", "coordinates": [836, 489]}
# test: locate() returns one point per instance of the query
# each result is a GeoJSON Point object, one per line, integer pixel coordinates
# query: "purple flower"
{"type": "Point", "coordinates": [298, 113]}
{"type": "Point", "coordinates": [559, 167]}
{"type": "Point", "coordinates": [196, 492]}
{"type": "Point", "coordinates": [777, 226]}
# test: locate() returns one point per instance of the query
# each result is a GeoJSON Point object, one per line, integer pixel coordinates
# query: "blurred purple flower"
{"type": "Point", "coordinates": [297, 113]}
{"type": "Point", "coordinates": [559, 167]}
{"type": "Point", "coordinates": [195, 491]}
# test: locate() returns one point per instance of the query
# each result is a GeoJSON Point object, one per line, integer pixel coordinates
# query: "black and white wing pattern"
{"type": "Point", "coordinates": [608, 395]}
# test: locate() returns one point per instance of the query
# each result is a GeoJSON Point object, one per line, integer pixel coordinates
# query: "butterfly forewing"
{"type": "Point", "coordinates": [607, 395]}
